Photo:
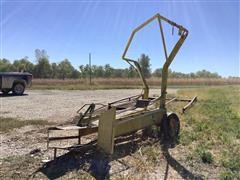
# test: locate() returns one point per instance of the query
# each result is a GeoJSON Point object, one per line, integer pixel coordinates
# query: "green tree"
{"type": "Point", "coordinates": [125, 73]}
{"type": "Point", "coordinates": [75, 74]}
{"type": "Point", "coordinates": [99, 72]}
{"type": "Point", "coordinates": [5, 65]}
{"type": "Point", "coordinates": [84, 70]}
{"type": "Point", "coordinates": [108, 71]}
{"type": "Point", "coordinates": [192, 75]}
{"type": "Point", "coordinates": [117, 73]}
{"type": "Point", "coordinates": [65, 69]}
{"type": "Point", "coordinates": [144, 62]}
{"type": "Point", "coordinates": [206, 74]}
{"type": "Point", "coordinates": [42, 69]}
{"type": "Point", "coordinates": [54, 68]}
{"type": "Point", "coordinates": [132, 72]}
{"type": "Point", "coordinates": [157, 72]}
{"type": "Point", "coordinates": [23, 65]}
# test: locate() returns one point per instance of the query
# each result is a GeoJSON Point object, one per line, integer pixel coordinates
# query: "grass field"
{"type": "Point", "coordinates": [211, 130]}
{"type": "Point", "coordinates": [7, 124]}
{"type": "Point", "coordinates": [209, 144]}
{"type": "Point", "coordinates": [120, 83]}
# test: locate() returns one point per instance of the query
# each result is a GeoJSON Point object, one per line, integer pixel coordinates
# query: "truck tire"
{"type": "Point", "coordinates": [18, 89]}
{"type": "Point", "coordinates": [5, 91]}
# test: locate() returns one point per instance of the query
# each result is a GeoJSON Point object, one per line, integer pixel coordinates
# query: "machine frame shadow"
{"type": "Point", "coordinates": [97, 164]}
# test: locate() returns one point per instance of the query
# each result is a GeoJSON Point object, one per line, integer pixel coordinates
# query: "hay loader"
{"type": "Point", "coordinates": [130, 114]}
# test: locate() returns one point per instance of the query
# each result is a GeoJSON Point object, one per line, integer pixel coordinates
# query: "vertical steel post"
{"type": "Point", "coordinates": [90, 69]}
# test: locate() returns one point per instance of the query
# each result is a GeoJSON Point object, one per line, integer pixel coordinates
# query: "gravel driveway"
{"type": "Point", "coordinates": [59, 106]}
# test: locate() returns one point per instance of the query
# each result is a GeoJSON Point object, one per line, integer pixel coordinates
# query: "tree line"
{"type": "Point", "coordinates": [64, 69]}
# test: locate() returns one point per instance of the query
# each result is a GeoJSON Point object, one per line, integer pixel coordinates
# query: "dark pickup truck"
{"type": "Point", "coordinates": [15, 82]}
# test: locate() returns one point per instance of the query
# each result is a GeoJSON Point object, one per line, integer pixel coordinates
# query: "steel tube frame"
{"type": "Point", "coordinates": [183, 34]}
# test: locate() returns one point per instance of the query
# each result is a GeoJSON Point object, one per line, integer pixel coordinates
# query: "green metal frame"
{"type": "Point", "coordinates": [183, 34]}
{"type": "Point", "coordinates": [110, 125]}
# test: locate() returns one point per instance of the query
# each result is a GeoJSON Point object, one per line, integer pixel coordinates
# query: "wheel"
{"type": "Point", "coordinates": [18, 89]}
{"type": "Point", "coordinates": [173, 126]}
{"type": "Point", "coordinates": [5, 91]}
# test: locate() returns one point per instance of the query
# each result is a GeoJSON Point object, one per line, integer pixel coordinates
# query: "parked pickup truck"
{"type": "Point", "coordinates": [15, 82]}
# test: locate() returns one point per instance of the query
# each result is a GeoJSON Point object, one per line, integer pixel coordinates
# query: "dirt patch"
{"type": "Point", "coordinates": [21, 141]}
{"type": "Point", "coordinates": [60, 106]}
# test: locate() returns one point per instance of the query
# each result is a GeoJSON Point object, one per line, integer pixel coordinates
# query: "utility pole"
{"type": "Point", "coordinates": [90, 70]}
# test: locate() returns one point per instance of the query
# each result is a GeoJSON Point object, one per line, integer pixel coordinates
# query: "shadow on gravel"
{"type": "Point", "coordinates": [182, 171]}
{"type": "Point", "coordinates": [10, 95]}
{"type": "Point", "coordinates": [98, 164]}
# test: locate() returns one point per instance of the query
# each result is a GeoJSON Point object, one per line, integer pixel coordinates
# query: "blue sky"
{"type": "Point", "coordinates": [72, 29]}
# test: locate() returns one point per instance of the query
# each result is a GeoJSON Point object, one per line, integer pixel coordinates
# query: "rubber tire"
{"type": "Point", "coordinates": [18, 89]}
{"type": "Point", "coordinates": [5, 91]}
{"type": "Point", "coordinates": [173, 127]}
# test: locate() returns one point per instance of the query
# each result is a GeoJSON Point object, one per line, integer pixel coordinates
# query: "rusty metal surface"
{"type": "Point", "coordinates": [194, 99]}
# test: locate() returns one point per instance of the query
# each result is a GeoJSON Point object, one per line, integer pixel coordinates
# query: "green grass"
{"type": "Point", "coordinates": [213, 126]}
{"type": "Point", "coordinates": [7, 124]}
{"type": "Point", "coordinates": [205, 155]}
